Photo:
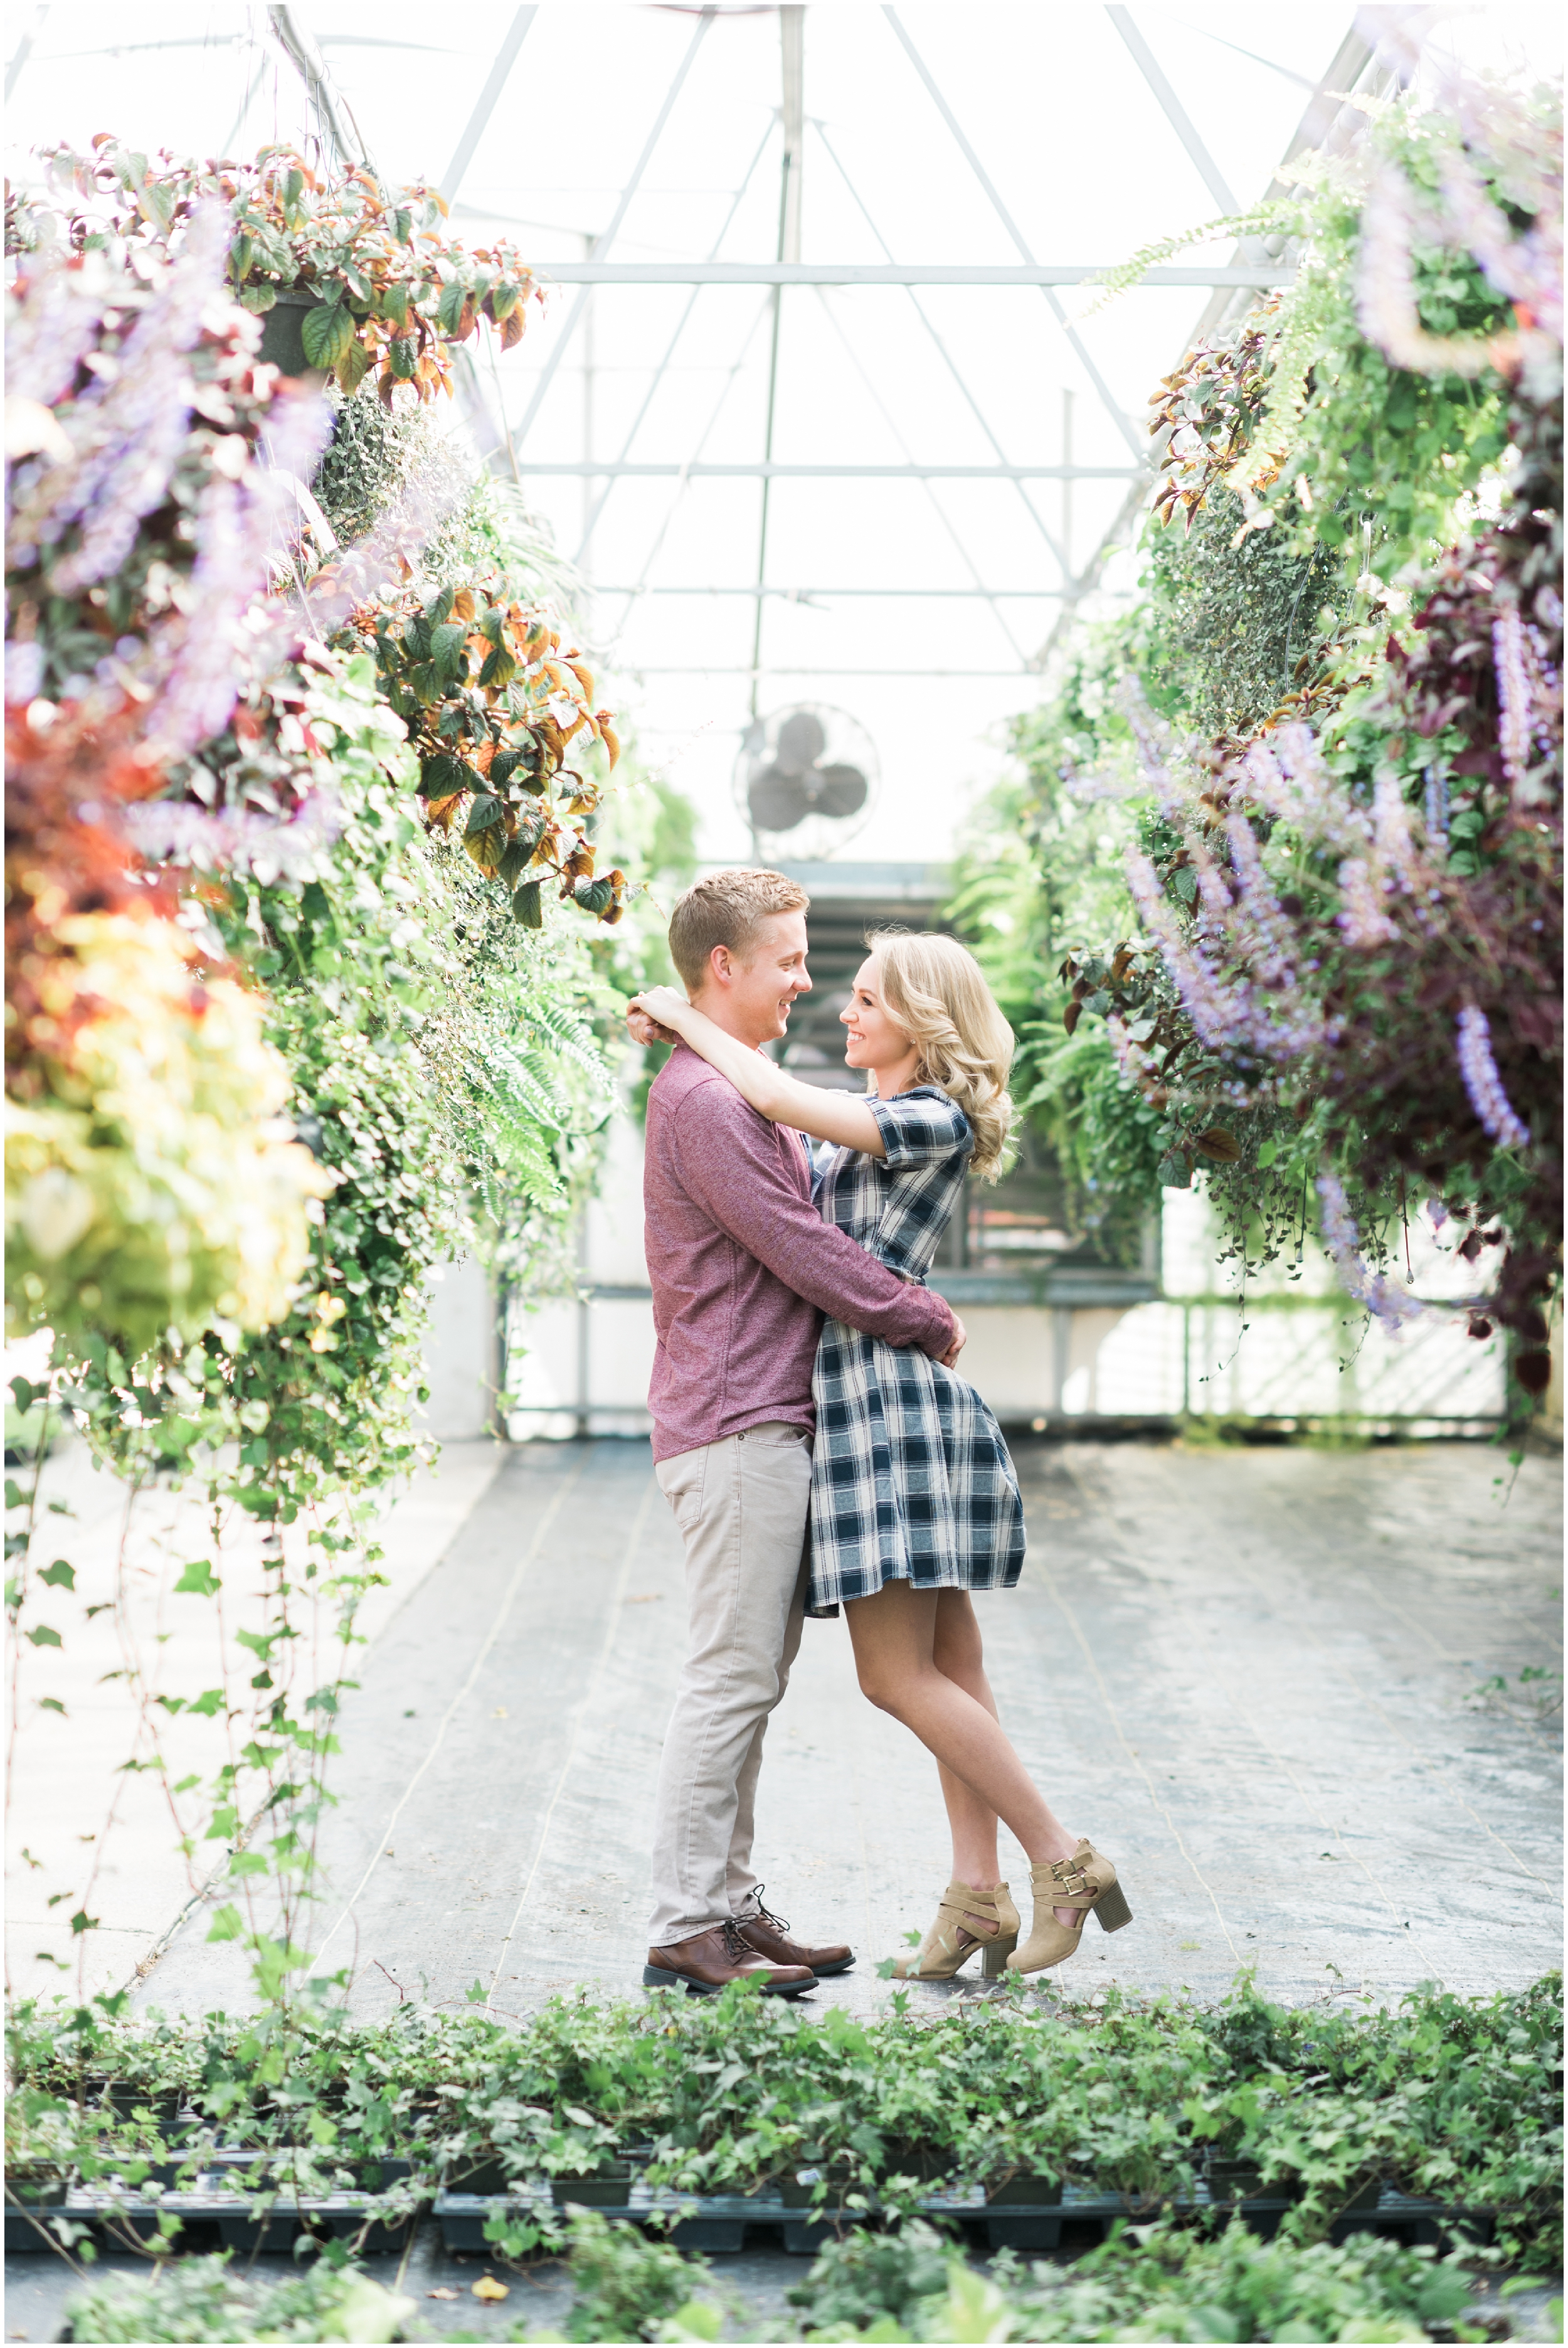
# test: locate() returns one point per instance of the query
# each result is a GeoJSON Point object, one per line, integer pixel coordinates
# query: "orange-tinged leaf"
{"type": "Point", "coordinates": [584, 677]}
{"type": "Point", "coordinates": [487, 849]}
{"type": "Point", "coordinates": [487, 2288]}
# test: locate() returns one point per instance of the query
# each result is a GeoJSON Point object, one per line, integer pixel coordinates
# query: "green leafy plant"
{"type": "Point", "coordinates": [391, 291]}
{"type": "Point", "coordinates": [1159, 2283]}
{"type": "Point", "coordinates": [478, 682]}
{"type": "Point", "coordinates": [1451, 2098]}
{"type": "Point", "coordinates": [206, 2299]}
{"type": "Point", "coordinates": [862, 2280]}
{"type": "Point", "coordinates": [1336, 750]}
{"type": "Point", "coordinates": [314, 1003]}
{"type": "Point", "coordinates": [629, 2285]}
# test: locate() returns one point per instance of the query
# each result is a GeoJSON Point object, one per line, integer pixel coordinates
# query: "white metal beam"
{"type": "Point", "coordinates": [1075, 340]}
{"type": "Point", "coordinates": [485, 104]}
{"type": "Point", "coordinates": [610, 233]}
{"type": "Point", "coordinates": [759, 469]}
{"type": "Point", "coordinates": [1045, 273]}
{"type": "Point", "coordinates": [1175, 113]}
{"type": "Point", "coordinates": [935, 503]}
{"type": "Point", "coordinates": [23, 50]}
{"type": "Point", "coordinates": [659, 373]}
{"type": "Point", "coordinates": [791, 116]}
{"type": "Point", "coordinates": [807, 595]}
{"type": "Point", "coordinates": [1058, 550]}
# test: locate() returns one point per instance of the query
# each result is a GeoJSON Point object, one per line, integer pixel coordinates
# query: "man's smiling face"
{"type": "Point", "coordinates": [753, 999]}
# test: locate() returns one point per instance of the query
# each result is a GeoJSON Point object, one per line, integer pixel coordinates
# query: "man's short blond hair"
{"type": "Point", "coordinates": [728, 908]}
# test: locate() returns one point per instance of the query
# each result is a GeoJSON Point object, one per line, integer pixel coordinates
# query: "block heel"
{"type": "Point", "coordinates": [1111, 1909]}
{"type": "Point", "coordinates": [994, 1963]}
{"type": "Point", "coordinates": [1085, 1882]}
{"type": "Point", "coordinates": [951, 1942]}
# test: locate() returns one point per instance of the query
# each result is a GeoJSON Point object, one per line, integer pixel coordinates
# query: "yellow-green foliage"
{"type": "Point", "coordinates": [155, 1184]}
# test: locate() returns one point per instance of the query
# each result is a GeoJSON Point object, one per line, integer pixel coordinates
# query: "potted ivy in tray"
{"type": "Point", "coordinates": [135, 2100]}
{"type": "Point", "coordinates": [819, 2189]}
{"type": "Point", "coordinates": [1231, 2180]}
{"type": "Point", "coordinates": [34, 2193]}
{"type": "Point", "coordinates": [1017, 2189]}
{"type": "Point", "coordinates": [606, 2185]}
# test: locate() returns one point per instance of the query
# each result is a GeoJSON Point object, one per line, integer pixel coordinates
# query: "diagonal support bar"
{"type": "Point", "coordinates": [603, 243]}
{"type": "Point", "coordinates": [23, 50]}
{"type": "Point", "coordinates": [1058, 552]}
{"type": "Point", "coordinates": [670, 348]}
{"type": "Point", "coordinates": [1075, 339]}
{"type": "Point", "coordinates": [1175, 113]}
{"type": "Point", "coordinates": [488, 98]}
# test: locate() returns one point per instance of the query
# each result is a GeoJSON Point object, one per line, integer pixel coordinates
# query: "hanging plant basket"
{"type": "Point", "coordinates": [282, 333]}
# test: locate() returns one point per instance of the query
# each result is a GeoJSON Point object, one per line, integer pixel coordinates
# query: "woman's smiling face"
{"type": "Point", "coordinates": [871, 1040]}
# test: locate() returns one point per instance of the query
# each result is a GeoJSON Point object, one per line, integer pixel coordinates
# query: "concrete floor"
{"type": "Point", "coordinates": [81, 1831]}
{"type": "Point", "coordinates": [1251, 1676]}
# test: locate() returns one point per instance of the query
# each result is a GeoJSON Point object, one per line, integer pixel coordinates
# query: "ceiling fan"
{"type": "Point", "coordinates": [805, 780]}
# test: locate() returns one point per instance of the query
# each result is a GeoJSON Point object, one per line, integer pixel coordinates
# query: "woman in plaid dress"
{"type": "Point", "coordinates": [915, 1502]}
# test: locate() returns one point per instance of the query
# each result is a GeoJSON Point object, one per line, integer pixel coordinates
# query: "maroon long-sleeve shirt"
{"type": "Point", "coordinates": [742, 1267]}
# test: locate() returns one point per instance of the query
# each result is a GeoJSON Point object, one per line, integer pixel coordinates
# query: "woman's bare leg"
{"type": "Point", "coordinates": [957, 1655]}
{"type": "Point", "coordinates": [893, 1635]}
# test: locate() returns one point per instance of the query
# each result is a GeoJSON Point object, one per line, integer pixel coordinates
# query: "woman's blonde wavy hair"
{"type": "Point", "coordinates": [935, 992]}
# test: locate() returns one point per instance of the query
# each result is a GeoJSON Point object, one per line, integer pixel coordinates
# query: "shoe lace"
{"type": "Point", "coordinates": [735, 1948]}
{"type": "Point", "coordinates": [766, 1916]}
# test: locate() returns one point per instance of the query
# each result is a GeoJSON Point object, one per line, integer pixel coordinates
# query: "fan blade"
{"type": "Point", "coordinates": [802, 741]}
{"type": "Point", "coordinates": [840, 790]}
{"type": "Point", "coordinates": [777, 799]}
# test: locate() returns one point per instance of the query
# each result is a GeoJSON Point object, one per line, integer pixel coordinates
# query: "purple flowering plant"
{"type": "Point", "coordinates": [1339, 993]}
{"type": "Point", "coordinates": [149, 505]}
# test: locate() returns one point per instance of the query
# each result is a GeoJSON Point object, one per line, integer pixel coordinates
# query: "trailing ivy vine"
{"type": "Point", "coordinates": [283, 1045]}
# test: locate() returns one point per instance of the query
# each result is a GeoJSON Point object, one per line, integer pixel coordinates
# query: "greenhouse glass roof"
{"type": "Point", "coordinates": [822, 404]}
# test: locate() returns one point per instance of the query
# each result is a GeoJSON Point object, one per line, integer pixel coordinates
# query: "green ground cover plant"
{"type": "Point", "coordinates": [1451, 2098]}
{"type": "Point", "coordinates": [1153, 2282]}
{"type": "Point", "coordinates": [208, 2298]}
{"type": "Point", "coordinates": [1146, 2282]}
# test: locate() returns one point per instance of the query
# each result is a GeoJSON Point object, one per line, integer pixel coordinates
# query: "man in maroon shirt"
{"type": "Point", "coordinates": [742, 1268]}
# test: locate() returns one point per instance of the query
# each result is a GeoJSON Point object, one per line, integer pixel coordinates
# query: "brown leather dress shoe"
{"type": "Point", "coordinates": [769, 1935]}
{"type": "Point", "coordinates": [709, 1960]}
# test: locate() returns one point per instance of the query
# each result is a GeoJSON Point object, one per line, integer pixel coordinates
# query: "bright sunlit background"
{"type": "Point", "coordinates": [919, 607]}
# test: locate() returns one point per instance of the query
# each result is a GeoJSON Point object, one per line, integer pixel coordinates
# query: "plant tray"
{"type": "Point", "coordinates": [245, 2219]}
{"type": "Point", "coordinates": [28, 2227]}
{"type": "Point", "coordinates": [1070, 2219]}
{"type": "Point", "coordinates": [716, 2221]}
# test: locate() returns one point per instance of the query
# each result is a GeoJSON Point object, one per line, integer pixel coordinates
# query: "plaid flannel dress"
{"type": "Point", "coordinates": [911, 1480]}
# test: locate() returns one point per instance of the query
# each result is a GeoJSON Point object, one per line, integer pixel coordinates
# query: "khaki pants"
{"type": "Point", "coordinates": [742, 1509]}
